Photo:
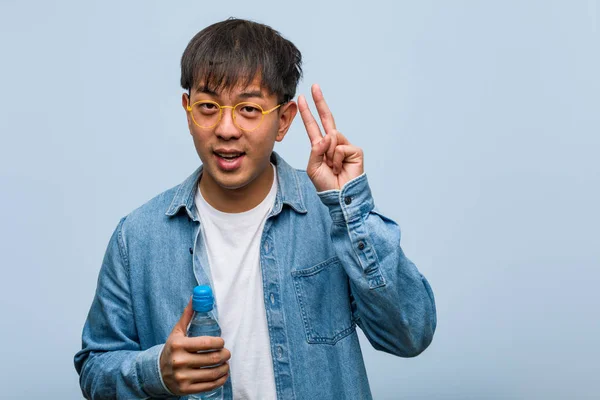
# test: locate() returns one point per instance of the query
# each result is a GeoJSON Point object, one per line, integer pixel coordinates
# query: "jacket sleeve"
{"type": "Point", "coordinates": [111, 363]}
{"type": "Point", "coordinates": [392, 302]}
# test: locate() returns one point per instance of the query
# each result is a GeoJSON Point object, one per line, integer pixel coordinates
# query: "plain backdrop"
{"type": "Point", "coordinates": [480, 124]}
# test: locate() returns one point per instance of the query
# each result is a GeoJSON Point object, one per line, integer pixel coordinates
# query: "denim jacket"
{"type": "Point", "coordinates": [329, 262]}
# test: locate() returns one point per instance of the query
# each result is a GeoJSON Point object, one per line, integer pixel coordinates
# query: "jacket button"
{"type": "Point", "coordinates": [361, 246]}
{"type": "Point", "coordinates": [348, 200]}
{"type": "Point", "coordinates": [191, 251]}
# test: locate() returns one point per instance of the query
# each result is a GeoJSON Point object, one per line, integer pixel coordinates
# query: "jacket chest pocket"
{"type": "Point", "coordinates": [323, 294]}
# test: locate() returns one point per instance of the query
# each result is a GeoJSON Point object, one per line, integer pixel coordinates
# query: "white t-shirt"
{"type": "Point", "coordinates": [233, 247]}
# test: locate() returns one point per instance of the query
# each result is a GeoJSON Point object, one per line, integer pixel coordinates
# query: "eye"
{"type": "Point", "coordinates": [249, 111]}
{"type": "Point", "coordinates": [207, 108]}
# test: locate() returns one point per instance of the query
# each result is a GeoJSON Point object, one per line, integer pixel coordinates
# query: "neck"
{"type": "Point", "coordinates": [240, 199]}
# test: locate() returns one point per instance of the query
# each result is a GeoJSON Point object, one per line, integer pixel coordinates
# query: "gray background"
{"type": "Point", "coordinates": [480, 125]}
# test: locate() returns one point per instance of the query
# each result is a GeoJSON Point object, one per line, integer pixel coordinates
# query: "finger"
{"type": "Point", "coordinates": [310, 124]}
{"type": "Point", "coordinates": [331, 149]}
{"type": "Point", "coordinates": [206, 386]}
{"type": "Point", "coordinates": [203, 343]}
{"type": "Point", "coordinates": [337, 140]}
{"type": "Point", "coordinates": [345, 154]}
{"type": "Point", "coordinates": [317, 152]}
{"type": "Point", "coordinates": [208, 374]}
{"type": "Point", "coordinates": [323, 109]}
{"type": "Point", "coordinates": [338, 160]}
{"type": "Point", "coordinates": [210, 359]}
{"type": "Point", "coordinates": [341, 139]}
{"type": "Point", "coordinates": [182, 325]}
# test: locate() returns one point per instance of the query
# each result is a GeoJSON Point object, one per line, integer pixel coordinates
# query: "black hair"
{"type": "Point", "coordinates": [233, 52]}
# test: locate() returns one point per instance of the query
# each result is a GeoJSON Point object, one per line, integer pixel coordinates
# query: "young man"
{"type": "Point", "coordinates": [296, 259]}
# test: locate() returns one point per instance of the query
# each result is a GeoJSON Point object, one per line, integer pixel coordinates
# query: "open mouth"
{"type": "Point", "coordinates": [229, 161]}
{"type": "Point", "coordinates": [229, 156]}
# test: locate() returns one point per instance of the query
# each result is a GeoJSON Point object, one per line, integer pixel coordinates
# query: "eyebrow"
{"type": "Point", "coordinates": [206, 91]}
{"type": "Point", "coordinates": [255, 93]}
{"type": "Point", "coordinates": [243, 95]}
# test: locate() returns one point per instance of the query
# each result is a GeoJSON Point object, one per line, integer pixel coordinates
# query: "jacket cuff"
{"type": "Point", "coordinates": [351, 202]}
{"type": "Point", "coordinates": [350, 206]}
{"type": "Point", "coordinates": [149, 371]}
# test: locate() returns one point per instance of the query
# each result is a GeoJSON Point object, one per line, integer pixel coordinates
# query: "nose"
{"type": "Point", "coordinates": [226, 129]}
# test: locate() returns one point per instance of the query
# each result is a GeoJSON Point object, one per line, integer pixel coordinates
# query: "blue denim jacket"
{"type": "Point", "coordinates": [329, 262]}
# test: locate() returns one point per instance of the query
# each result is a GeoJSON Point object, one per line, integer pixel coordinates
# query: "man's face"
{"type": "Point", "coordinates": [234, 159]}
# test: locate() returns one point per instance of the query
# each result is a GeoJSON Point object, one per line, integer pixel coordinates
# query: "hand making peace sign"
{"type": "Point", "coordinates": [333, 160]}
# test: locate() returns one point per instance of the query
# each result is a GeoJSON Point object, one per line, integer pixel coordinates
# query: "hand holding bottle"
{"type": "Point", "coordinates": [185, 370]}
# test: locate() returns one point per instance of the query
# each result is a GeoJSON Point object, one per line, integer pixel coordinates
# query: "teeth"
{"type": "Point", "coordinates": [229, 155]}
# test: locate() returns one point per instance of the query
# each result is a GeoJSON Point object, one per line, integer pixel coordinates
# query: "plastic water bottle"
{"type": "Point", "coordinates": [204, 324]}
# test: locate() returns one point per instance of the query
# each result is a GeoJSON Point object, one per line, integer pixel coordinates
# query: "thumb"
{"type": "Point", "coordinates": [184, 321]}
{"type": "Point", "coordinates": [317, 152]}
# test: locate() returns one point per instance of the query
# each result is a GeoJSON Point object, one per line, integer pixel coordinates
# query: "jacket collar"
{"type": "Point", "coordinates": [288, 190]}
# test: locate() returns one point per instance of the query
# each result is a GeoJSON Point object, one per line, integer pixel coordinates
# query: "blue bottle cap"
{"type": "Point", "coordinates": [202, 299]}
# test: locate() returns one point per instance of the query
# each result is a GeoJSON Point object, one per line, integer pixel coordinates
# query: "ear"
{"type": "Point", "coordinates": [286, 116]}
{"type": "Point", "coordinates": [184, 102]}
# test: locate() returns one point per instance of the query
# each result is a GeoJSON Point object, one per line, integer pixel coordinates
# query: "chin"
{"type": "Point", "coordinates": [232, 182]}
{"type": "Point", "coordinates": [233, 186]}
